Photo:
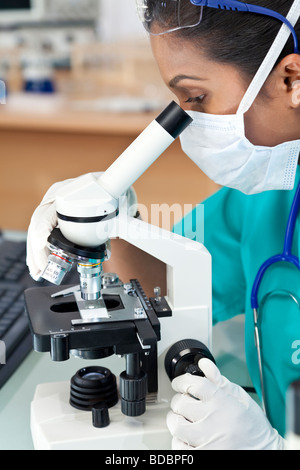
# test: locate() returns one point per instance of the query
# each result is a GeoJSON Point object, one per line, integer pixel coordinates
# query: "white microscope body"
{"type": "Point", "coordinates": [89, 214]}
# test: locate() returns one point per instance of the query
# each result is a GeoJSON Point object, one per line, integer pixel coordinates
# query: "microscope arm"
{"type": "Point", "coordinates": [188, 277]}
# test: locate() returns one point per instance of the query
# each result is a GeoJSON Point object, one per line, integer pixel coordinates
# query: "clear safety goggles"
{"type": "Point", "coordinates": [170, 14]}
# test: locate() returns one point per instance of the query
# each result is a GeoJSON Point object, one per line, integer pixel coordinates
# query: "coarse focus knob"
{"type": "Point", "coordinates": [183, 357]}
{"type": "Point", "coordinates": [133, 391]}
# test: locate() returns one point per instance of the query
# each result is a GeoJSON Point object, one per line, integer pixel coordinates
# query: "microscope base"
{"type": "Point", "coordinates": [55, 425]}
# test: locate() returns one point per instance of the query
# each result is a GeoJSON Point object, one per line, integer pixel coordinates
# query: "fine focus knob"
{"type": "Point", "coordinates": [193, 369]}
{"type": "Point", "coordinates": [183, 357]}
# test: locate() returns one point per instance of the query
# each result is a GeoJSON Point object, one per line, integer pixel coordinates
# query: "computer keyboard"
{"type": "Point", "coordinates": [15, 336]}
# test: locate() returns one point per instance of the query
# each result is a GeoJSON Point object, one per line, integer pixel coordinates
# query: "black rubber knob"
{"type": "Point", "coordinates": [133, 408]}
{"type": "Point", "coordinates": [100, 415]}
{"type": "Point", "coordinates": [60, 347]}
{"type": "Point", "coordinates": [133, 388]}
{"type": "Point", "coordinates": [184, 356]}
{"type": "Point", "coordinates": [193, 369]}
{"type": "Point", "coordinates": [133, 391]}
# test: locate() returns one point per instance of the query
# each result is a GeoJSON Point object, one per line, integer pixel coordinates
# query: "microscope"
{"type": "Point", "coordinates": [110, 321]}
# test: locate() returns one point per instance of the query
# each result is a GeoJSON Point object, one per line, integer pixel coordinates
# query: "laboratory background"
{"type": "Point", "coordinates": [81, 84]}
{"type": "Point", "coordinates": [78, 86]}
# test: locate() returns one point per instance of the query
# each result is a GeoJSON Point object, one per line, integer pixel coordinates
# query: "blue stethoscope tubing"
{"type": "Point", "coordinates": [286, 256]}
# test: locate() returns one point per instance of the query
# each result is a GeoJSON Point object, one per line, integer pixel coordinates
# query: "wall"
{"type": "Point", "coordinates": [119, 19]}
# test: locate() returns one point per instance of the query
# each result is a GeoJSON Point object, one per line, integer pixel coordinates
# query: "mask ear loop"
{"type": "Point", "coordinates": [270, 60]}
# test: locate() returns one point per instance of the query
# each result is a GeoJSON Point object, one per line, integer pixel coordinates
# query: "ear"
{"type": "Point", "coordinates": [288, 72]}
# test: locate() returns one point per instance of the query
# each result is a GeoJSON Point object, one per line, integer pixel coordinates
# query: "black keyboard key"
{"type": "Point", "coordinates": [15, 334]}
{"type": "Point", "coordinates": [2, 330]}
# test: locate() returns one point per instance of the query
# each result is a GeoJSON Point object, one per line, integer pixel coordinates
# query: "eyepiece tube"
{"type": "Point", "coordinates": [140, 155]}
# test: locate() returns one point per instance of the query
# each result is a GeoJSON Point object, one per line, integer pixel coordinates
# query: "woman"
{"type": "Point", "coordinates": [208, 58]}
{"type": "Point", "coordinates": [209, 66]}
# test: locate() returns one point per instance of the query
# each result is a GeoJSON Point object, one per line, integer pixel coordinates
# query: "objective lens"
{"type": "Point", "coordinates": [58, 266]}
{"type": "Point", "coordinates": [90, 279]}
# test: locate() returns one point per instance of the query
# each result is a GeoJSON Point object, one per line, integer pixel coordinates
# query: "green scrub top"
{"type": "Point", "coordinates": [241, 232]}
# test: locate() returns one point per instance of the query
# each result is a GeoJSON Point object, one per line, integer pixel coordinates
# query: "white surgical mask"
{"type": "Point", "coordinates": [218, 145]}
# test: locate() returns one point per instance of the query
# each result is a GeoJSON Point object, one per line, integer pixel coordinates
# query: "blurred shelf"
{"type": "Point", "coordinates": [56, 118]}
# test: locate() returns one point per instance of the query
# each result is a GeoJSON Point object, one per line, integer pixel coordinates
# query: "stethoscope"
{"type": "Point", "coordinates": [285, 256]}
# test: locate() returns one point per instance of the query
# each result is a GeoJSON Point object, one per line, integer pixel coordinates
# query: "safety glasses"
{"type": "Point", "coordinates": [172, 15]}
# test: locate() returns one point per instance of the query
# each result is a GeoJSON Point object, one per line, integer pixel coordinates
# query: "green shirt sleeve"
{"type": "Point", "coordinates": [222, 238]}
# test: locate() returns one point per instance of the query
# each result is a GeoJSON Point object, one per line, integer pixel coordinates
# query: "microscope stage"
{"type": "Point", "coordinates": [130, 316]}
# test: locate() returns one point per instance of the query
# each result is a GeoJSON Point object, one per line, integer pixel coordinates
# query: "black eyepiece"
{"type": "Point", "coordinates": [174, 119]}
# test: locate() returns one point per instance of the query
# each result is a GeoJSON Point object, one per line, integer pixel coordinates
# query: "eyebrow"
{"type": "Point", "coordinates": [178, 78]}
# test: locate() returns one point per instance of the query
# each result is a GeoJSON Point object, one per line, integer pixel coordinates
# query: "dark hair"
{"type": "Point", "coordinates": [238, 38]}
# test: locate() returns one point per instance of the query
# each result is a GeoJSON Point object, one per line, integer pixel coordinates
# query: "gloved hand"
{"type": "Point", "coordinates": [211, 413]}
{"type": "Point", "coordinates": [44, 220]}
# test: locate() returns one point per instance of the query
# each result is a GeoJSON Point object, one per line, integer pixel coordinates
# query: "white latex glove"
{"type": "Point", "coordinates": [44, 220]}
{"type": "Point", "coordinates": [211, 413]}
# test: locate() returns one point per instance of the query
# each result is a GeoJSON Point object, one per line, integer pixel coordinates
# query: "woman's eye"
{"type": "Point", "coordinates": [197, 99]}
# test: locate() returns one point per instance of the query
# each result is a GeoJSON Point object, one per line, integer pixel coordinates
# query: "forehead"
{"type": "Point", "coordinates": [176, 57]}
